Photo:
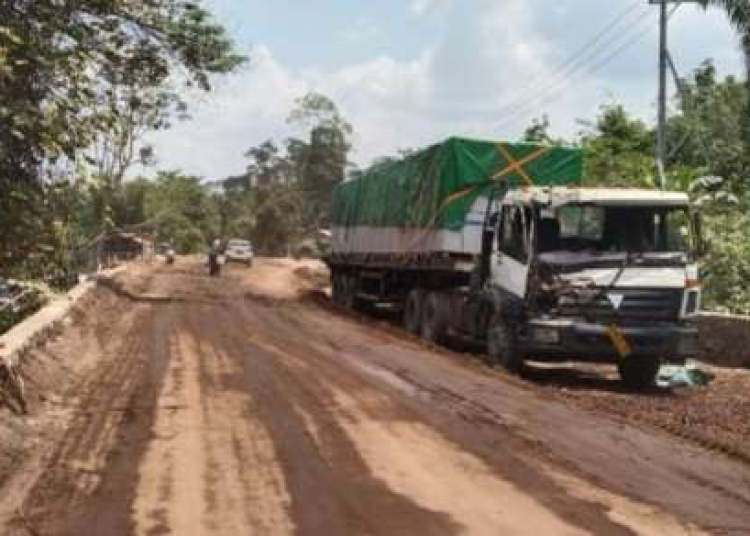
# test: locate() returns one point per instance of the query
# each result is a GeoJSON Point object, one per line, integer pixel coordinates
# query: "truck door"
{"type": "Point", "coordinates": [511, 259]}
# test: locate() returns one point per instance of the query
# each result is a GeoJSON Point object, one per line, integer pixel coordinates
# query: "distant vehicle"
{"type": "Point", "coordinates": [239, 251]}
{"type": "Point", "coordinates": [167, 250]}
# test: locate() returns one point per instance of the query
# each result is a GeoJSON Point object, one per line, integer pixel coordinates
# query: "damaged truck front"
{"type": "Point", "coordinates": [498, 245]}
{"type": "Point", "coordinates": [606, 275]}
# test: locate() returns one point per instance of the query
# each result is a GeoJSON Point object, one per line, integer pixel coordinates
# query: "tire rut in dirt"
{"type": "Point", "coordinates": [452, 390]}
{"type": "Point", "coordinates": [332, 489]}
{"type": "Point", "coordinates": [116, 414]}
{"type": "Point", "coordinates": [473, 427]}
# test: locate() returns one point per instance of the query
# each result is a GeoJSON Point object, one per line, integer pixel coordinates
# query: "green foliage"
{"type": "Point", "coordinates": [321, 163]}
{"type": "Point", "coordinates": [707, 134]}
{"type": "Point", "coordinates": [180, 208]}
{"type": "Point", "coordinates": [277, 221]}
{"type": "Point", "coordinates": [285, 194]}
{"type": "Point", "coordinates": [738, 13]}
{"type": "Point", "coordinates": [726, 270]}
{"type": "Point", "coordinates": [538, 131]}
{"type": "Point", "coordinates": [74, 75]}
{"type": "Point", "coordinates": [619, 149]}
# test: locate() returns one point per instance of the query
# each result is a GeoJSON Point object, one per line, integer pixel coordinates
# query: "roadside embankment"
{"type": "Point", "coordinates": [33, 330]}
{"type": "Point", "coordinates": [725, 340]}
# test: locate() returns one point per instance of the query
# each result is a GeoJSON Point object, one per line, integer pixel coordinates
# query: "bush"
{"type": "Point", "coordinates": [726, 268]}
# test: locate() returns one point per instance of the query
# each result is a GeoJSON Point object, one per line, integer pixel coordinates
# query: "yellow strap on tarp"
{"type": "Point", "coordinates": [513, 166]}
{"type": "Point", "coordinates": [619, 341]}
{"type": "Point", "coordinates": [444, 206]}
{"type": "Point", "coordinates": [518, 165]}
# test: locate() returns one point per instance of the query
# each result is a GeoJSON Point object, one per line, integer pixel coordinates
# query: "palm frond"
{"type": "Point", "coordinates": [738, 12]}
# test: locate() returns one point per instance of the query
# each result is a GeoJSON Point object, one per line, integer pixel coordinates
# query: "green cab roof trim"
{"type": "Point", "coordinates": [436, 187]}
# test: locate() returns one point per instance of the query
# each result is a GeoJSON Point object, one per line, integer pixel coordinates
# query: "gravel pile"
{"type": "Point", "coordinates": [716, 416]}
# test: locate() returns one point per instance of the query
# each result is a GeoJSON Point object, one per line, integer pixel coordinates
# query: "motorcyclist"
{"type": "Point", "coordinates": [214, 268]}
{"type": "Point", "coordinates": [170, 253]}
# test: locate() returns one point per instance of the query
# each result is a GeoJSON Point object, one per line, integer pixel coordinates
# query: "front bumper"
{"type": "Point", "coordinates": [575, 339]}
{"type": "Point", "coordinates": [239, 258]}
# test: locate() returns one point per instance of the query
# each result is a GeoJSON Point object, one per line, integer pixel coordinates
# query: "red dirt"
{"type": "Point", "coordinates": [233, 406]}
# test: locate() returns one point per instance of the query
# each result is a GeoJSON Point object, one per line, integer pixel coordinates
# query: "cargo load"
{"type": "Point", "coordinates": [435, 200]}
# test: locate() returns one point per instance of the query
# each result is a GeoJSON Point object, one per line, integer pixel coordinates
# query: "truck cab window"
{"type": "Point", "coordinates": [512, 233]}
{"type": "Point", "coordinates": [584, 223]}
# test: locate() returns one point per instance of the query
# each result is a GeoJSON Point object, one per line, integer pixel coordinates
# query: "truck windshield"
{"type": "Point", "coordinates": [616, 229]}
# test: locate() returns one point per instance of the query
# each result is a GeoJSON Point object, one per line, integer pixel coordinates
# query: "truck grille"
{"type": "Point", "coordinates": [637, 304]}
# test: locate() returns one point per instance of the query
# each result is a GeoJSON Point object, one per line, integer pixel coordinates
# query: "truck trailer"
{"type": "Point", "coordinates": [502, 245]}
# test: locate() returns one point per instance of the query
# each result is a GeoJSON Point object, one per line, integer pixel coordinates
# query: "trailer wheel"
{"type": "Point", "coordinates": [435, 318]}
{"type": "Point", "coordinates": [338, 287]}
{"type": "Point", "coordinates": [349, 291]}
{"type": "Point", "coordinates": [502, 344]}
{"type": "Point", "coordinates": [335, 286]}
{"type": "Point", "coordinates": [639, 373]}
{"type": "Point", "coordinates": [413, 311]}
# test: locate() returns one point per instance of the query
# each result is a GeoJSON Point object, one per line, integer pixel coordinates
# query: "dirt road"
{"type": "Point", "coordinates": [177, 404]}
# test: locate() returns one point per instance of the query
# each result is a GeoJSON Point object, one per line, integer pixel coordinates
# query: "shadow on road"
{"type": "Point", "coordinates": [579, 378]}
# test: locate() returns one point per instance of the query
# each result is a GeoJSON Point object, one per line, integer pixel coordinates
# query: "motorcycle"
{"type": "Point", "coordinates": [214, 265]}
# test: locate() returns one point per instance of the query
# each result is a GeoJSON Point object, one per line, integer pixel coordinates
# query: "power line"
{"type": "Point", "coordinates": [557, 86]}
{"type": "Point", "coordinates": [575, 57]}
{"type": "Point", "coordinates": [554, 88]}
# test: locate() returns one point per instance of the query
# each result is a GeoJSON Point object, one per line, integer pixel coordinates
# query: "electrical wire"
{"type": "Point", "coordinates": [555, 87]}
{"type": "Point", "coordinates": [572, 62]}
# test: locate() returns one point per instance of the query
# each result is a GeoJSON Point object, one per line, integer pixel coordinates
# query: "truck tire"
{"type": "Point", "coordinates": [502, 344]}
{"type": "Point", "coordinates": [435, 318]}
{"type": "Point", "coordinates": [338, 284]}
{"type": "Point", "coordinates": [349, 291]}
{"type": "Point", "coordinates": [639, 373]}
{"type": "Point", "coordinates": [413, 311]}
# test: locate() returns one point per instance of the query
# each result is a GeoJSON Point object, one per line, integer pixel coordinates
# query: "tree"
{"type": "Point", "coordinates": [538, 131]}
{"type": "Point", "coordinates": [180, 208]}
{"type": "Point", "coordinates": [72, 73]}
{"type": "Point", "coordinates": [618, 149]}
{"type": "Point", "coordinates": [707, 135]}
{"type": "Point", "coordinates": [738, 12]}
{"type": "Point", "coordinates": [321, 163]}
{"type": "Point", "coordinates": [277, 218]}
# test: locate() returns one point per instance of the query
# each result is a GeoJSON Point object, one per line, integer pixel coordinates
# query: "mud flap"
{"type": "Point", "coordinates": [619, 341]}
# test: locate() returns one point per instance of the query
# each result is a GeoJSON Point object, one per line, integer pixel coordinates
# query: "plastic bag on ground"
{"type": "Point", "coordinates": [688, 375]}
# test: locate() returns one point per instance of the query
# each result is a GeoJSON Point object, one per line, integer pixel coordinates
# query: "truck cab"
{"type": "Point", "coordinates": [590, 274]}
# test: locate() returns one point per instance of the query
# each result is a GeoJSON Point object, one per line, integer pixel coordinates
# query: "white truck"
{"type": "Point", "coordinates": [540, 273]}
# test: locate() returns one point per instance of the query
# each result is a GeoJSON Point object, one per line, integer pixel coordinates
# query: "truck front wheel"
{"type": "Point", "coordinates": [435, 318]}
{"type": "Point", "coordinates": [413, 310]}
{"type": "Point", "coordinates": [639, 373]}
{"type": "Point", "coordinates": [502, 344]}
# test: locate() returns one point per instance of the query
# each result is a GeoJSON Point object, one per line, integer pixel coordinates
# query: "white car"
{"type": "Point", "coordinates": [239, 251]}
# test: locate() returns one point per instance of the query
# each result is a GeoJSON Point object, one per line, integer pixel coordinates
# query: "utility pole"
{"type": "Point", "coordinates": [664, 65]}
{"type": "Point", "coordinates": [661, 141]}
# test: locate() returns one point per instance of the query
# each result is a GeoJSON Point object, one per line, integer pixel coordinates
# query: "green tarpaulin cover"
{"type": "Point", "coordinates": [437, 187]}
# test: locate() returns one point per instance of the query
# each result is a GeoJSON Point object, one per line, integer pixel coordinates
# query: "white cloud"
{"type": "Point", "coordinates": [360, 32]}
{"type": "Point", "coordinates": [375, 96]}
{"type": "Point", "coordinates": [422, 7]}
{"type": "Point", "coordinates": [481, 77]}
{"type": "Point", "coordinates": [243, 110]}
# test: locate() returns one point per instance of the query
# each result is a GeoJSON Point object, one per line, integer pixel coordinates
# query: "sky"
{"type": "Point", "coordinates": [408, 73]}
